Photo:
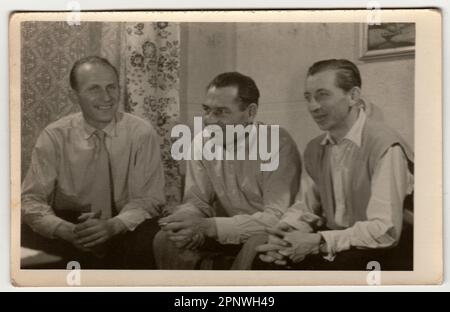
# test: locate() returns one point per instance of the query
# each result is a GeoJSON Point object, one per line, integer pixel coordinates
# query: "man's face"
{"type": "Point", "coordinates": [97, 93]}
{"type": "Point", "coordinates": [221, 107]}
{"type": "Point", "coordinates": [328, 104]}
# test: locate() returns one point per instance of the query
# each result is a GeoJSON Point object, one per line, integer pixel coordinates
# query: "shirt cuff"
{"type": "Point", "coordinates": [118, 225]}
{"type": "Point", "coordinates": [133, 217]}
{"type": "Point", "coordinates": [337, 241]}
{"type": "Point", "coordinates": [227, 231]}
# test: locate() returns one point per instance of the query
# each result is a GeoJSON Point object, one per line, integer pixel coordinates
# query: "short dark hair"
{"type": "Point", "coordinates": [347, 73]}
{"type": "Point", "coordinates": [247, 90]}
{"type": "Point", "coordinates": [93, 59]}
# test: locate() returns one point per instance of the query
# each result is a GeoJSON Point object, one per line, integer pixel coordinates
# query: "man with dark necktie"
{"type": "Point", "coordinates": [95, 184]}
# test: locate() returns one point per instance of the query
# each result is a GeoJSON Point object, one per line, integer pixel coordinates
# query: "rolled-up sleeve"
{"type": "Point", "coordinates": [146, 182]}
{"type": "Point", "coordinates": [38, 187]}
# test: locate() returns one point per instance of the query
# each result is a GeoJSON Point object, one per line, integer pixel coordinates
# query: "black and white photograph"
{"type": "Point", "coordinates": [162, 145]}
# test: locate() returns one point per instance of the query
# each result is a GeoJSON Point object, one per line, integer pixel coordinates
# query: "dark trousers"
{"type": "Point", "coordinates": [399, 258]}
{"type": "Point", "coordinates": [131, 250]}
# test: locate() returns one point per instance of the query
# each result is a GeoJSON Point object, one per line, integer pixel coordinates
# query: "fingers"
{"type": "Point", "coordinates": [193, 244]}
{"type": "Point", "coordinates": [84, 216]}
{"type": "Point", "coordinates": [89, 215]}
{"type": "Point", "coordinates": [87, 232]}
{"type": "Point", "coordinates": [175, 217]}
{"type": "Point", "coordinates": [284, 227]}
{"type": "Point", "coordinates": [287, 252]}
{"type": "Point", "coordinates": [272, 258]}
{"type": "Point", "coordinates": [197, 241]}
{"type": "Point", "coordinates": [96, 242]}
{"type": "Point", "coordinates": [174, 227]}
{"type": "Point", "coordinates": [276, 232]}
{"type": "Point", "coordinates": [266, 258]}
{"type": "Point", "coordinates": [178, 238]}
{"type": "Point", "coordinates": [87, 239]}
{"type": "Point", "coordinates": [182, 232]}
{"type": "Point", "coordinates": [268, 247]}
{"type": "Point", "coordinates": [85, 225]}
{"type": "Point", "coordinates": [275, 240]}
{"type": "Point", "coordinates": [280, 262]}
{"type": "Point", "coordinates": [275, 255]}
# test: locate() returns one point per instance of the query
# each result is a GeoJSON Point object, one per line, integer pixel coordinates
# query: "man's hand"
{"type": "Point", "coordinates": [286, 242]}
{"type": "Point", "coordinates": [187, 228]}
{"type": "Point", "coordinates": [66, 232]}
{"type": "Point", "coordinates": [94, 232]}
{"type": "Point", "coordinates": [270, 251]}
{"type": "Point", "coordinates": [185, 238]}
{"type": "Point", "coordinates": [302, 245]}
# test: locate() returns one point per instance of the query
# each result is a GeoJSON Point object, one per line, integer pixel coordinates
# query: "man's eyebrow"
{"type": "Point", "coordinates": [216, 107]}
{"type": "Point", "coordinates": [321, 90]}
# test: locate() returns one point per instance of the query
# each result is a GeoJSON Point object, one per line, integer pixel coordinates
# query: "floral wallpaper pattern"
{"type": "Point", "coordinates": [152, 56]}
{"type": "Point", "coordinates": [147, 56]}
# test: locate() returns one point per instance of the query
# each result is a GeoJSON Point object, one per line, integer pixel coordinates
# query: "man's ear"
{"type": "Point", "coordinates": [252, 110]}
{"type": "Point", "coordinates": [355, 96]}
{"type": "Point", "coordinates": [74, 94]}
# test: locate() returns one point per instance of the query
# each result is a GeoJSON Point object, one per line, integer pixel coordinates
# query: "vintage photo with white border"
{"type": "Point", "coordinates": [198, 148]}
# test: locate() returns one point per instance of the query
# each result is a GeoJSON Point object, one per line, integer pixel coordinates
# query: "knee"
{"type": "Point", "coordinates": [248, 252]}
{"type": "Point", "coordinates": [160, 243]}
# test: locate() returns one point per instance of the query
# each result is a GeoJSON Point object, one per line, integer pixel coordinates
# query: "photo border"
{"type": "Point", "coordinates": [428, 231]}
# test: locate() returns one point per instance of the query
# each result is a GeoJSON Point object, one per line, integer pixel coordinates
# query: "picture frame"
{"type": "Point", "coordinates": [385, 40]}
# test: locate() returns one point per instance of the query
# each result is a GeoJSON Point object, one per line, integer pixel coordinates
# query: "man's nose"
{"type": "Point", "coordinates": [209, 118]}
{"type": "Point", "coordinates": [107, 96]}
{"type": "Point", "coordinates": [313, 105]}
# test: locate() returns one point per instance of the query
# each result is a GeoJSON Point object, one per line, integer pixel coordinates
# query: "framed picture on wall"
{"type": "Point", "coordinates": [386, 40]}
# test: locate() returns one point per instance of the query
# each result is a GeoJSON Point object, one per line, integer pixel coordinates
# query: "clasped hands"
{"type": "Point", "coordinates": [187, 228]}
{"type": "Point", "coordinates": [288, 244]}
{"type": "Point", "coordinates": [90, 233]}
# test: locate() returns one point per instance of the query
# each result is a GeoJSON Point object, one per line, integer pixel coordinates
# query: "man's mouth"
{"type": "Point", "coordinates": [104, 107]}
{"type": "Point", "coordinates": [319, 118]}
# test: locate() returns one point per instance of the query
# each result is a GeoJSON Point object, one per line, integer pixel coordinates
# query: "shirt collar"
{"type": "Point", "coordinates": [353, 135]}
{"type": "Point", "coordinates": [110, 129]}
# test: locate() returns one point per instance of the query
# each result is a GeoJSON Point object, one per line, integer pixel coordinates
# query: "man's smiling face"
{"type": "Point", "coordinates": [97, 93]}
{"type": "Point", "coordinates": [328, 104]}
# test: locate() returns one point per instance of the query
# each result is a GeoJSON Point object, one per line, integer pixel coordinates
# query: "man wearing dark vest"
{"type": "Point", "coordinates": [349, 210]}
{"type": "Point", "coordinates": [95, 184]}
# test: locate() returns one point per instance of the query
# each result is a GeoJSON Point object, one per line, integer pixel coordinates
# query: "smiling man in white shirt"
{"type": "Point", "coordinates": [349, 210]}
{"type": "Point", "coordinates": [95, 185]}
